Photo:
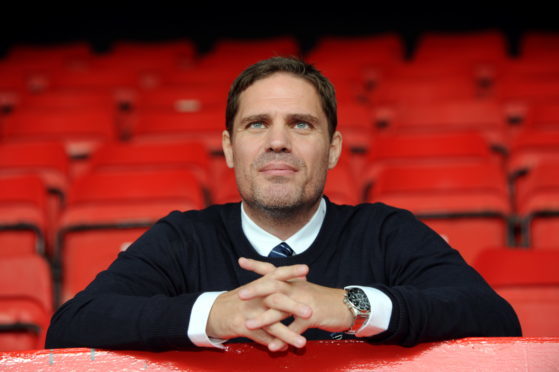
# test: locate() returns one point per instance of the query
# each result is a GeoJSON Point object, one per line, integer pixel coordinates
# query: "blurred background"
{"type": "Point", "coordinates": [111, 115]}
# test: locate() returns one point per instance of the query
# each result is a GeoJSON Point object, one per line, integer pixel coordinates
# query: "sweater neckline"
{"type": "Point", "coordinates": [244, 249]}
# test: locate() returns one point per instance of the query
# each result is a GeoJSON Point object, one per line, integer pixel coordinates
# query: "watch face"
{"type": "Point", "coordinates": [358, 298]}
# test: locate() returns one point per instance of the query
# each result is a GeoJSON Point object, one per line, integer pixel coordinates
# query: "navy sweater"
{"type": "Point", "coordinates": [144, 299]}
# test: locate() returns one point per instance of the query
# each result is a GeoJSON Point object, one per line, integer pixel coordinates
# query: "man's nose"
{"type": "Point", "coordinates": [278, 138]}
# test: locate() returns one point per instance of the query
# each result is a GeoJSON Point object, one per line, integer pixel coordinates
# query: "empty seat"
{"type": "Point", "coordinates": [485, 117]}
{"type": "Point", "coordinates": [467, 204]}
{"type": "Point", "coordinates": [23, 220]}
{"type": "Point", "coordinates": [539, 44]}
{"type": "Point", "coordinates": [394, 149]}
{"type": "Point", "coordinates": [461, 47]}
{"type": "Point", "coordinates": [405, 91]}
{"type": "Point", "coordinates": [192, 156]}
{"type": "Point", "coordinates": [528, 89]}
{"type": "Point", "coordinates": [81, 130]}
{"type": "Point", "coordinates": [167, 125]}
{"type": "Point", "coordinates": [61, 99]}
{"type": "Point", "coordinates": [537, 202]}
{"type": "Point", "coordinates": [108, 210]}
{"type": "Point", "coordinates": [181, 98]}
{"type": "Point", "coordinates": [26, 302]}
{"type": "Point", "coordinates": [529, 280]}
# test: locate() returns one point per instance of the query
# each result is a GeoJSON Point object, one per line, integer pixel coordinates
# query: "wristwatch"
{"type": "Point", "coordinates": [358, 303]}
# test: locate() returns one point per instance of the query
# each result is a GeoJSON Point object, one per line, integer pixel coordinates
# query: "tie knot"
{"type": "Point", "coordinates": [281, 250]}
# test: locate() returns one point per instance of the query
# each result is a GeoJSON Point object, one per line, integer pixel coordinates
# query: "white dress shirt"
{"type": "Point", "coordinates": [263, 242]}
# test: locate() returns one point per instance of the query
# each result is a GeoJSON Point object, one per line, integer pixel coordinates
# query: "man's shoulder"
{"type": "Point", "coordinates": [376, 210]}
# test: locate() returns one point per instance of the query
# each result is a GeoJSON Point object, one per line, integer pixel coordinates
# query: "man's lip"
{"type": "Point", "coordinates": [278, 167]}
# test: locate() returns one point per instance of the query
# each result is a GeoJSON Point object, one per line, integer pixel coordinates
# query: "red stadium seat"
{"type": "Point", "coordinates": [529, 280]}
{"type": "Point", "coordinates": [544, 45]}
{"type": "Point", "coordinates": [394, 149]}
{"type": "Point", "coordinates": [356, 123]}
{"type": "Point", "coordinates": [528, 89]}
{"type": "Point", "coordinates": [167, 125]}
{"type": "Point", "coordinates": [467, 204]}
{"type": "Point", "coordinates": [461, 47]}
{"type": "Point", "coordinates": [192, 156]}
{"type": "Point", "coordinates": [81, 130]}
{"type": "Point", "coordinates": [486, 117]}
{"type": "Point", "coordinates": [537, 202]}
{"type": "Point", "coordinates": [61, 99]}
{"type": "Point", "coordinates": [405, 91]}
{"type": "Point", "coordinates": [26, 302]}
{"type": "Point", "coordinates": [108, 210]}
{"type": "Point", "coordinates": [23, 218]}
{"type": "Point", "coordinates": [184, 98]}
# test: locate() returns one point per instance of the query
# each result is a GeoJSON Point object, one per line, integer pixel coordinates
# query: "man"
{"type": "Point", "coordinates": [286, 264]}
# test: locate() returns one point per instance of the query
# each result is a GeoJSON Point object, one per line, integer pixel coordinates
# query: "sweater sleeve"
{"type": "Point", "coordinates": [436, 295]}
{"type": "Point", "coordinates": [140, 302]}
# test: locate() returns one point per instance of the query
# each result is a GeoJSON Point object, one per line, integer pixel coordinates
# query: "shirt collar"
{"type": "Point", "coordinates": [263, 242]}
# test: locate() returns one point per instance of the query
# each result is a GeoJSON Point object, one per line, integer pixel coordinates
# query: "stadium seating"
{"type": "Point", "coordinates": [467, 204]}
{"type": "Point", "coordinates": [26, 302]}
{"type": "Point", "coordinates": [529, 280]}
{"type": "Point", "coordinates": [108, 210]}
{"type": "Point", "coordinates": [23, 216]}
{"type": "Point", "coordinates": [537, 202]}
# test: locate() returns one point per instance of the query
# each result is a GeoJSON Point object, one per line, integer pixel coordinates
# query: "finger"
{"type": "Point", "coordinates": [265, 319]}
{"type": "Point", "coordinates": [258, 267]}
{"type": "Point", "coordinates": [273, 283]}
{"type": "Point", "coordinates": [280, 308]}
{"type": "Point", "coordinates": [260, 336]}
{"type": "Point", "coordinates": [280, 273]}
{"type": "Point", "coordinates": [284, 336]}
{"type": "Point", "coordinates": [299, 325]}
{"type": "Point", "coordinates": [284, 303]}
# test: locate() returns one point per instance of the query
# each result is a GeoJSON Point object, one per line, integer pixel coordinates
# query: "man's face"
{"type": "Point", "coordinates": [280, 146]}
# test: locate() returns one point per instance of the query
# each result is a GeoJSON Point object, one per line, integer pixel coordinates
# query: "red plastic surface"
{"type": "Point", "coordinates": [488, 354]}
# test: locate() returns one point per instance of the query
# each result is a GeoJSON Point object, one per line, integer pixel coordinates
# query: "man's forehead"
{"type": "Point", "coordinates": [285, 93]}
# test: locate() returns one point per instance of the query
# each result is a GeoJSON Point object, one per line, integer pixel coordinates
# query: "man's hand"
{"type": "Point", "coordinates": [328, 310]}
{"type": "Point", "coordinates": [232, 310]}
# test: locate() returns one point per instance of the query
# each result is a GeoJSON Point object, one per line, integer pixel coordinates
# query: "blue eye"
{"type": "Point", "coordinates": [302, 125]}
{"type": "Point", "coordinates": [256, 125]}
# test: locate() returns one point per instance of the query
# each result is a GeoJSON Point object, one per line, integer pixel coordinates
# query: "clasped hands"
{"type": "Point", "coordinates": [256, 309]}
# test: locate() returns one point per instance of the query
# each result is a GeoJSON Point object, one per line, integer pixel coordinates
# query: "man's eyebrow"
{"type": "Point", "coordinates": [253, 118]}
{"type": "Point", "coordinates": [304, 117]}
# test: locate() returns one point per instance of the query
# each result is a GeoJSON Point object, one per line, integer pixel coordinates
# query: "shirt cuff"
{"type": "Point", "coordinates": [199, 319]}
{"type": "Point", "coordinates": [381, 311]}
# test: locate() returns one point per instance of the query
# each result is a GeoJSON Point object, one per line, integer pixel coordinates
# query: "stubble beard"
{"type": "Point", "coordinates": [279, 200]}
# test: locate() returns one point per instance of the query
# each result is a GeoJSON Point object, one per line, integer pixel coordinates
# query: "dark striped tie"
{"type": "Point", "coordinates": [281, 250]}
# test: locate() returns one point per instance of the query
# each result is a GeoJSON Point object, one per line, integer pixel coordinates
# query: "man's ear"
{"type": "Point", "coordinates": [227, 148]}
{"type": "Point", "coordinates": [335, 150]}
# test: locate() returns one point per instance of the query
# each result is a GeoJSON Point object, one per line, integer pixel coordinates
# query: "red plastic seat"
{"type": "Point", "coordinates": [528, 89]}
{"type": "Point", "coordinates": [485, 117]}
{"type": "Point", "coordinates": [539, 44]}
{"type": "Point", "coordinates": [109, 210]}
{"type": "Point", "coordinates": [192, 156]}
{"type": "Point", "coordinates": [467, 204]}
{"type": "Point", "coordinates": [529, 280]}
{"type": "Point", "coordinates": [23, 219]}
{"type": "Point", "coordinates": [168, 125]}
{"type": "Point", "coordinates": [405, 91]}
{"type": "Point", "coordinates": [356, 123]}
{"type": "Point", "coordinates": [181, 98]}
{"type": "Point", "coordinates": [26, 302]}
{"type": "Point", "coordinates": [81, 130]}
{"type": "Point", "coordinates": [61, 99]}
{"type": "Point", "coordinates": [394, 149]}
{"type": "Point", "coordinates": [537, 202]}
{"type": "Point", "coordinates": [461, 47]}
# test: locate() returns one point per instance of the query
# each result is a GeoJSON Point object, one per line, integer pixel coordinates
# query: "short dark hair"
{"type": "Point", "coordinates": [291, 65]}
